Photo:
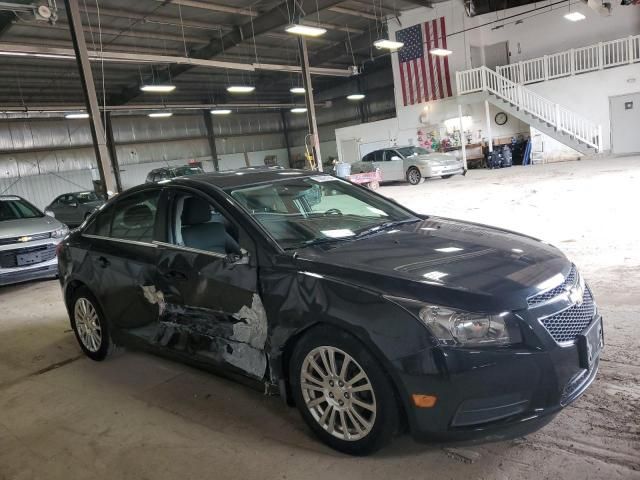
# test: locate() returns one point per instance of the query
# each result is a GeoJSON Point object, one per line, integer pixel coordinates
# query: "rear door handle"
{"type": "Point", "coordinates": [103, 262]}
{"type": "Point", "coordinates": [175, 275]}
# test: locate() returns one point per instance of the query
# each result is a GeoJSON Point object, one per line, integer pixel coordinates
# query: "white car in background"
{"type": "Point", "coordinates": [410, 163]}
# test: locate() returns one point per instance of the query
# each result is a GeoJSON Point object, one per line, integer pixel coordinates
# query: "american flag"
{"type": "Point", "coordinates": [423, 76]}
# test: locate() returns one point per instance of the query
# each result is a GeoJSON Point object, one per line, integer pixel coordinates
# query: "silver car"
{"type": "Point", "coordinates": [74, 208]}
{"type": "Point", "coordinates": [409, 163]}
{"type": "Point", "coordinates": [28, 241]}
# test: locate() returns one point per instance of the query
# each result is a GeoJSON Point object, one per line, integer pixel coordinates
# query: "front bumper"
{"type": "Point", "coordinates": [44, 269]}
{"type": "Point", "coordinates": [439, 171]}
{"type": "Point", "coordinates": [490, 395]}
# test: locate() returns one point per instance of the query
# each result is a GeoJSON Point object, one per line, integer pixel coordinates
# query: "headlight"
{"type": "Point", "coordinates": [455, 327]}
{"type": "Point", "coordinates": [460, 328]}
{"type": "Point", "coordinates": [61, 232]}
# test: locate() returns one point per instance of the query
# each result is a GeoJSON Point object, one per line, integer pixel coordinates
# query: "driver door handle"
{"type": "Point", "coordinates": [175, 275]}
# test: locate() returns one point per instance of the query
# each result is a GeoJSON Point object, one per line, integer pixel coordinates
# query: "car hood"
{"type": "Point", "coordinates": [28, 226]}
{"type": "Point", "coordinates": [444, 261]}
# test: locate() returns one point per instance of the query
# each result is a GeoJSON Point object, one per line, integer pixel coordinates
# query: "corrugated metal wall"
{"type": "Point", "coordinates": [43, 157]}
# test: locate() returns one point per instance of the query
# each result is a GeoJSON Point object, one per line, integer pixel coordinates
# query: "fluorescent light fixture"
{"type": "Point", "coordinates": [158, 88]}
{"type": "Point", "coordinates": [297, 90]}
{"type": "Point", "coordinates": [241, 89]}
{"type": "Point", "coordinates": [440, 52]}
{"type": "Point", "coordinates": [160, 114]}
{"type": "Point", "coordinates": [306, 30]}
{"type": "Point", "coordinates": [298, 110]}
{"type": "Point", "coordinates": [73, 116]}
{"type": "Point", "coordinates": [388, 44]}
{"type": "Point", "coordinates": [355, 96]}
{"type": "Point", "coordinates": [574, 16]}
{"type": "Point", "coordinates": [221, 111]}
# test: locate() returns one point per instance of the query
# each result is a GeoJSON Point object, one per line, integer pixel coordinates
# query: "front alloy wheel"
{"type": "Point", "coordinates": [89, 325]}
{"type": "Point", "coordinates": [413, 176]}
{"type": "Point", "coordinates": [342, 392]}
{"type": "Point", "coordinates": [338, 393]}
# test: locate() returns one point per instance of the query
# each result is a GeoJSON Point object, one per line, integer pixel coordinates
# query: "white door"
{"type": "Point", "coordinates": [625, 118]}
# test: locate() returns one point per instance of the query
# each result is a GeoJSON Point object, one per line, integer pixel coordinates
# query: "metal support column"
{"type": "Point", "coordinates": [111, 145]}
{"type": "Point", "coordinates": [285, 131]}
{"type": "Point", "coordinates": [86, 79]}
{"type": "Point", "coordinates": [311, 109]}
{"type": "Point", "coordinates": [462, 139]}
{"type": "Point", "coordinates": [488, 118]}
{"type": "Point", "coordinates": [211, 137]}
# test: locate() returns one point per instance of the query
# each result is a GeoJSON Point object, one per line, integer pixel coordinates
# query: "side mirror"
{"type": "Point", "coordinates": [241, 258]}
{"type": "Point", "coordinates": [395, 157]}
{"type": "Point", "coordinates": [73, 205]}
{"type": "Point", "coordinates": [50, 213]}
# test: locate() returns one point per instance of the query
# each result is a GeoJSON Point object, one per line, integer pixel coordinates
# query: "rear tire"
{"type": "Point", "coordinates": [413, 176]}
{"type": "Point", "coordinates": [90, 326]}
{"type": "Point", "coordinates": [342, 392]}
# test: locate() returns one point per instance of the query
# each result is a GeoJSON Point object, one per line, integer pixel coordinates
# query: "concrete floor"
{"type": "Point", "coordinates": [137, 417]}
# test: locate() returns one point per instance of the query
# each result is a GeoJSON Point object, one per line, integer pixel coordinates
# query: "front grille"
{"type": "Point", "coordinates": [565, 326]}
{"type": "Point", "coordinates": [554, 292]}
{"type": "Point", "coordinates": [37, 236]}
{"type": "Point", "coordinates": [9, 259]}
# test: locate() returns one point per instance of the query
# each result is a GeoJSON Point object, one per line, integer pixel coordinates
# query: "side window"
{"type": "Point", "coordinates": [367, 158]}
{"type": "Point", "coordinates": [198, 224]}
{"type": "Point", "coordinates": [134, 217]}
{"type": "Point", "coordinates": [377, 156]}
{"type": "Point", "coordinates": [101, 224]}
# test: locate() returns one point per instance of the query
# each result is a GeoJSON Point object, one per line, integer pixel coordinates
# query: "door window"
{"type": "Point", "coordinates": [200, 225]}
{"type": "Point", "coordinates": [377, 156]}
{"type": "Point", "coordinates": [134, 217]}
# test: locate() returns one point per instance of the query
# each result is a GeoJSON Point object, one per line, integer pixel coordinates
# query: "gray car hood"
{"type": "Point", "coordinates": [28, 226]}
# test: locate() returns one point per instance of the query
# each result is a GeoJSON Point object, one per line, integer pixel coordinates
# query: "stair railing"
{"type": "Point", "coordinates": [483, 79]}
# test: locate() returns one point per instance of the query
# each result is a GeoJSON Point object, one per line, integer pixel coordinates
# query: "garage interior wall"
{"type": "Point", "coordinates": [62, 150]}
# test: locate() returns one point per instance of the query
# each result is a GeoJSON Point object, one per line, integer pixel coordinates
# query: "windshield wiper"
{"type": "Point", "coordinates": [383, 226]}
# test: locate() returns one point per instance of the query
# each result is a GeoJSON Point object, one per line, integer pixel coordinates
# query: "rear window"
{"type": "Point", "coordinates": [86, 197]}
{"type": "Point", "coordinates": [15, 208]}
{"type": "Point", "coordinates": [184, 171]}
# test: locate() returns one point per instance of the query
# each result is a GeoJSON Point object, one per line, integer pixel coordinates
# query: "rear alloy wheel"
{"type": "Point", "coordinates": [413, 176]}
{"type": "Point", "coordinates": [343, 394]}
{"type": "Point", "coordinates": [89, 326]}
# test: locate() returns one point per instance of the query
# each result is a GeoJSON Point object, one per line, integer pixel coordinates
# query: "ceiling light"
{"type": "Point", "coordinates": [241, 89]}
{"type": "Point", "coordinates": [73, 116]}
{"type": "Point", "coordinates": [297, 90]}
{"type": "Point", "coordinates": [158, 88]}
{"type": "Point", "coordinates": [160, 114]}
{"type": "Point", "coordinates": [298, 110]}
{"type": "Point", "coordinates": [221, 111]}
{"type": "Point", "coordinates": [355, 96]}
{"type": "Point", "coordinates": [388, 44]}
{"type": "Point", "coordinates": [440, 52]}
{"type": "Point", "coordinates": [306, 30]}
{"type": "Point", "coordinates": [574, 16]}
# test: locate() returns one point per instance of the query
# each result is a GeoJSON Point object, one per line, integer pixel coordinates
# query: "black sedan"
{"type": "Point", "coordinates": [368, 317]}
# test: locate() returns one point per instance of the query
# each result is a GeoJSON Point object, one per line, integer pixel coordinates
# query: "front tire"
{"type": "Point", "coordinates": [413, 176]}
{"type": "Point", "coordinates": [89, 325]}
{"type": "Point", "coordinates": [342, 392]}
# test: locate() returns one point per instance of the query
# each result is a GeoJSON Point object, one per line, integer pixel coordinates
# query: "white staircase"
{"type": "Point", "coordinates": [550, 118]}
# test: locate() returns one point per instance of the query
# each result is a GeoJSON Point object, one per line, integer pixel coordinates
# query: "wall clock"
{"type": "Point", "coordinates": [501, 118]}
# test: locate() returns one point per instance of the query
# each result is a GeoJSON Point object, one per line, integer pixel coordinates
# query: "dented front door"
{"type": "Point", "coordinates": [210, 309]}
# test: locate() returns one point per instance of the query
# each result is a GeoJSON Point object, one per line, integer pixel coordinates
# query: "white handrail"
{"type": "Point", "coordinates": [483, 79]}
{"type": "Point", "coordinates": [574, 61]}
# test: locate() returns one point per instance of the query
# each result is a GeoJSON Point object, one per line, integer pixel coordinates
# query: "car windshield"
{"type": "Point", "coordinates": [408, 151]}
{"type": "Point", "coordinates": [86, 197]}
{"type": "Point", "coordinates": [299, 212]}
{"type": "Point", "coordinates": [184, 171]}
{"type": "Point", "coordinates": [15, 208]}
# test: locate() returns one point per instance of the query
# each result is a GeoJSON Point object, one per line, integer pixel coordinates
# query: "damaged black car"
{"type": "Point", "coordinates": [368, 317]}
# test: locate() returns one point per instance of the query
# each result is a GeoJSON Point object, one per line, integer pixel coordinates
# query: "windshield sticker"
{"type": "Point", "coordinates": [339, 233]}
{"type": "Point", "coordinates": [323, 178]}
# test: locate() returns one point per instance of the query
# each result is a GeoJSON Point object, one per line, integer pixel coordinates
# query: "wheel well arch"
{"type": "Point", "coordinates": [292, 341]}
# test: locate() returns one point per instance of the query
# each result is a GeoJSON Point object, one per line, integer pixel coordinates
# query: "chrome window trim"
{"type": "Point", "coordinates": [120, 240]}
{"type": "Point", "coordinates": [189, 249]}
